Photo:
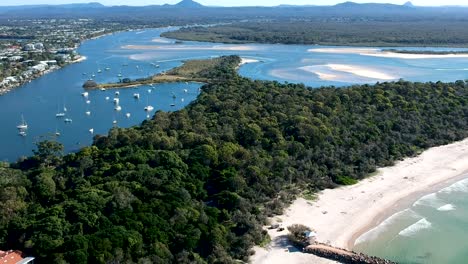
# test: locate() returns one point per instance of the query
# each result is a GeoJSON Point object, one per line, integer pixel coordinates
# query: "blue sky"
{"type": "Point", "coordinates": [234, 2]}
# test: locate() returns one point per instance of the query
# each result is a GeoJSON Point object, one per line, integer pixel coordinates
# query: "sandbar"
{"type": "Point", "coordinates": [386, 54]}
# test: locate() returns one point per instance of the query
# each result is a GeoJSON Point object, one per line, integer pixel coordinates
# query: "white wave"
{"type": "Point", "coordinates": [430, 200]}
{"type": "Point", "coordinates": [461, 186]}
{"type": "Point", "coordinates": [382, 227]}
{"type": "Point", "coordinates": [447, 207]}
{"type": "Point", "coordinates": [416, 227]}
{"type": "Point", "coordinates": [463, 69]}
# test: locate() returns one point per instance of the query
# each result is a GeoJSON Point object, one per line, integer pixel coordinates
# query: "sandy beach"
{"type": "Point", "coordinates": [341, 215]}
{"type": "Point", "coordinates": [248, 60]}
{"type": "Point", "coordinates": [386, 54]}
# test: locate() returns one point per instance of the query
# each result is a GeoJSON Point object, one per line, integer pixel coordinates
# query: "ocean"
{"type": "Point", "coordinates": [433, 230]}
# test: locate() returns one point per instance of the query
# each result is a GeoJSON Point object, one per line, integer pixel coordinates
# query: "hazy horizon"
{"type": "Point", "coordinates": [233, 2]}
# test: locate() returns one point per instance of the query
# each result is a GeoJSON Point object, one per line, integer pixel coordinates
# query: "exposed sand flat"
{"type": "Point", "coordinates": [386, 54]}
{"type": "Point", "coordinates": [361, 71]}
{"type": "Point", "coordinates": [281, 252]}
{"type": "Point", "coordinates": [352, 69]}
{"type": "Point", "coordinates": [410, 56]}
{"type": "Point", "coordinates": [191, 47]}
{"type": "Point", "coordinates": [341, 215]}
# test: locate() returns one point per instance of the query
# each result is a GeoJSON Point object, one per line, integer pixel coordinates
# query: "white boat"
{"type": "Point", "coordinates": [117, 93]}
{"type": "Point", "coordinates": [64, 109]}
{"type": "Point", "coordinates": [88, 101]}
{"type": "Point", "coordinates": [147, 116]}
{"type": "Point", "coordinates": [116, 100]}
{"type": "Point", "coordinates": [107, 69]}
{"type": "Point", "coordinates": [57, 134]}
{"type": "Point", "coordinates": [23, 124]}
{"type": "Point", "coordinates": [94, 75]}
{"type": "Point", "coordinates": [185, 91]}
{"type": "Point", "coordinates": [119, 75]}
{"type": "Point", "coordinates": [88, 113]}
{"type": "Point", "coordinates": [149, 90]}
{"type": "Point", "coordinates": [183, 99]}
{"type": "Point", "coordinates": [99, 70]}
{"type": "Point", "coordinates": [114, 122]}
{"type": "Point", "coordinates": [107, 98]}
{"type": "Point", "coordinates": [68, 120]}
{"type": "Point", "coordinates": [91, 131]}
{"type": "Point", "coordinates": [103, 89]}
{"type": "Point", "coordinates": [149, 108]}
{"type": "Point", "coordinates": [118, 108]}
{"type": "Point", "coordinates": [59, 114]}
{"type": "Point", "coordinates": [136, 95]}
{"type": "Point", "coordinates": [22, 133]}
{"type": "Point", "coordinates": [85, 94]}
{"type": "Point", "coordinates": [128, 115]}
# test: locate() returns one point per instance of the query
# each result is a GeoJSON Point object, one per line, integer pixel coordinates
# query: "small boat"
{"type": "Point", "coordinates": [172, 104]}
{"type": "Point", "coordinates": [157, 65]}
{"type": "Point", "coordinates": [99, 70]}
{"type": "Point", "coordinates": [59, 114]}
{"type": "Point", "coordinates": [117, 93]}
{"type": "Point", "coordinates": [103, 89]}
{"type": "Point", "coordinates": [107, 98]}
{"type": "Point", "coordinates": [91, 130]}
{"type": "Point", "coordinates": [88, 101]}
{"type": "Point", "coordinates": [182, 99]}
{"type": "Point", "coordinates": [57, 133]}
{"type": "Point", "coordinates": [147, 116]}
{"type": "Point", "coordinates": [85, 94]}
{"type": "Point", "coordinates": [68, 120]}
{"type": "Point", "coordinates": [149, 108]}
{"type": "Point", "coordinates": [23, 124]}
{"type": "Point", "coordinates": [116, 100]}
{"type": "Point", "coordinates": [119, 75]}
{"type": "Point", "coordinates": [173, 96]}
{"type": "Point", "coordinates": [84, 73]}
{"type": "Point", "coordinates": [149, 90]}
{"type": "Point", "coordinates": [136, 95]}
{"type": "Point", "coordinates": [94, 75]}
{"type": "Point", "coordinates": [107, 69]}
{"type": "Point", "coordinates": [114, 122]}
{"type": "Point", "coordinates": [22, 133]}
{"type": "Point", "coordinates": [118, 108]}
{"type": "Point", "coordinates": [185, 91]}
{"type": "Point", "coordinates": [125, 64]}
{"type": "Point", "coordinates": [128, 115]}
{"type": "Point", "coordinates": [88, 113]}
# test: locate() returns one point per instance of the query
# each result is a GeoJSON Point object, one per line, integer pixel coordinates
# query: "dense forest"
{"type": "Point", "coordinates": [355, 32]}
{"type": "Point", "coordinates": [196, 185]}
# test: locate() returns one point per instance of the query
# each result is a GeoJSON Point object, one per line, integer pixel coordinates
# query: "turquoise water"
{"type": "Point", "coordinates": [41, 99]}
{"type": "Point", "coordinates": [433, 230]}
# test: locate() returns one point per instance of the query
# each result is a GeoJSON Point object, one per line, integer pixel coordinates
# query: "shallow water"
{"type": "Point", "coordinates": [41, 99]}
{"type": "Point", "coordinates": [432, 230]}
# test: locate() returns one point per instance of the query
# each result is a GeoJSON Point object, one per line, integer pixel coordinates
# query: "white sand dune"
{"type": "Point", "coordinates": [161, 40]}
{"type": "Point", "coordinates": [341, 215]}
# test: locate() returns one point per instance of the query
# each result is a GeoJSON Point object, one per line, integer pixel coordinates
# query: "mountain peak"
{"type": "Point", "coordinates": [188, 3]}
{"type": "Point", "coordinates": [409, 4]}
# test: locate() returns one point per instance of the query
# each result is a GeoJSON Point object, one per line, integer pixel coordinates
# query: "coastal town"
{"type": "Point", "coordinates": [32, 48]}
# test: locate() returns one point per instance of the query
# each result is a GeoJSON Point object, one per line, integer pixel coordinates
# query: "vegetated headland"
{"type": "Point", "coordinates": [203, 71]}
{"type": "Point", "coordinates": [199, 184]}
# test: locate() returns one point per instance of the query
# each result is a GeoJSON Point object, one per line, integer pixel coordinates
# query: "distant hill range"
{"type": "Point", "coordinates": [191, 11]}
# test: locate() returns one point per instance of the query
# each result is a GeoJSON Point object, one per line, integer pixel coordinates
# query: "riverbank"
{"type": "Point", "coordinates": [341, 215]}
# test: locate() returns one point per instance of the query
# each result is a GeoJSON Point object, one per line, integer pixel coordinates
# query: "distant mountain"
{"type": "Point", "coordinates": [188, 4]}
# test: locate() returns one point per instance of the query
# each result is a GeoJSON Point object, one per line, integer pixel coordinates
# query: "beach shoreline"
{"type": "Point", "coordinates": [340, 216]}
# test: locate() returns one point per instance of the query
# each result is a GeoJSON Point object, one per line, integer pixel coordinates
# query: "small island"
{"type": "Point", "coordinates": [204, 71]}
